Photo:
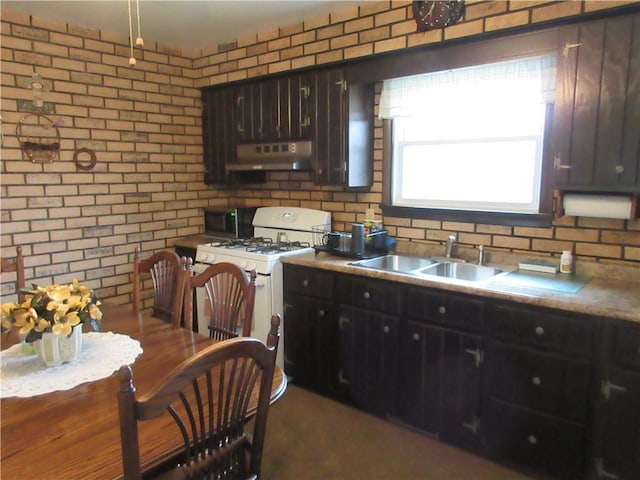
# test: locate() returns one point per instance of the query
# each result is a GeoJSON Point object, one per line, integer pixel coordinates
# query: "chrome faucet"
{"type": "Point", "coordinates": [480, 254]}
{"type": "Point", "coordinates": [451, 241]}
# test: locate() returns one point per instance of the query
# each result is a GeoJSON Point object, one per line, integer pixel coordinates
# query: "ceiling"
{"type": "Point", "coordinates": [186, 24]}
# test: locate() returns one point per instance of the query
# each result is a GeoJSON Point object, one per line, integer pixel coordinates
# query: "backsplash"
{"type": "Point", "coordinates": [144, 126]}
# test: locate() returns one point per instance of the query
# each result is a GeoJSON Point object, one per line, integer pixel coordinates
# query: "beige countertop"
{"type": "Point", "coordinates": [600, 296]}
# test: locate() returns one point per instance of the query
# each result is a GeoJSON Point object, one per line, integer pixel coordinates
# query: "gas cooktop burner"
{"type": "Point", "coordinates": [263, 245]}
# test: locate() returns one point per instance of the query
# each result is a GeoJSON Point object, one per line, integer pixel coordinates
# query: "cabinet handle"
{"type": "Point", "coordinates": [239, 100]}
{"type": "Point", "coordinates": [321, 313]}
{"type": "Point", "coordinates": [305, 283]}
{"type": "Point", "coordinates": [366, 295]}
{"type": "Point", "coordinates": [619, 169]}
{"type": "Point", "coordinates": [557, 163]}
{"type": "Point", "coordinates": [606, 387]}
{"type": "Point", "coordinates": [532, 439]}
{"type": "Point", "coordinates": [415, 337]}
{"type": "Point", "coordinates": [305, 91]}
{"type": "Point", "coordinates": [442, 310]}
{"type": "Point", "coordinates": [472, 425]}
{"type": "Point", "coordinates": [567, 47]}
{"type": "Point", "coordinates": [343, 84]}
{"type": "Point", "coordinates": [539, 331]}
{"type": "Point", "coordinates": [536, 381]}
{"type": "Point", "coordinates": [306, 122]}
{"type": "Point", "coordinates": [239, 127]}
{"type": "Point", "coordinates": [386, 329]}
{"type": "Point", "coordinates": [342, 320]}
{"type": "Point", "coordinates": [602, 473]}
{"type": "Point", "coordinates": [477, 353]}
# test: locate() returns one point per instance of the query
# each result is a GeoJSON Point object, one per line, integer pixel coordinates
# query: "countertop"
{"type": "Point", "coordinates": [599, 296]}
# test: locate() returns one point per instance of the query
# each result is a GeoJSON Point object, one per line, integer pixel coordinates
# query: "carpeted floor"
{"type": "Point", "coordinates": [310, 437]}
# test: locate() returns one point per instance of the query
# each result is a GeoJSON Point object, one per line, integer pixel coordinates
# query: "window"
{"type": "Point", "coordinates": [471, 138]}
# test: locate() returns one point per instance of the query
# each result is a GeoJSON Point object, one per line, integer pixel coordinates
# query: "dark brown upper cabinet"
{"type": "Point", "coordinates": [218, 132]}
{"type": "Point", "coordinates": [595, 143]}
{"type": "Point", "coordinates": [342, 122]}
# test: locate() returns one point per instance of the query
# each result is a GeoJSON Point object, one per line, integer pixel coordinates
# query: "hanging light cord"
{"type": "Point", "coordinates": [139, 40]}
{"type": "Point", "coordinates": [132, 60]}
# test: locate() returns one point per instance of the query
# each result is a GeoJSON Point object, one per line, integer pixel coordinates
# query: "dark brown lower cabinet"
{"type": "Point", "coordinates": [548, 392]}
{"type": "Point", "coordinates": [616, 446]}
{"type": "Point", "coordinates": [535, 441]}
{"type": "Point", "coordinates": [439, 382]}
{"type": "Point", "coordinates": [368, 359]}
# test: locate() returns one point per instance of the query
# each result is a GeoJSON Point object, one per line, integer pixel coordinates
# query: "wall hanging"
{"type": "Point", "coordinates": [37, 86]}
{"type": "Point", "coordinates": [39, 138]}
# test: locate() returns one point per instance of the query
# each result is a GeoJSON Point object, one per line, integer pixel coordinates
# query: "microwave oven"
{"type": "Point", "coordinates": [228, 222]}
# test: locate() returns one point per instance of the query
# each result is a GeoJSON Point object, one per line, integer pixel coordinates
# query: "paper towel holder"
{"type": "Point", "coordinates": [627, 210]}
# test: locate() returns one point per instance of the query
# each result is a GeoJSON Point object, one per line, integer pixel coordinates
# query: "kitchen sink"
{"type": "Point", "coordinates": [449, 268]}
{"type": "Point", "coordinates": [461, 271]}
{"type": "Point", "coordinates": [396, 263]}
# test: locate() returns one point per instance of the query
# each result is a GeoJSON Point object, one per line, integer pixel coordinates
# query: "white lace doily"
{"type": "Point", "coordinates": [24, 375]}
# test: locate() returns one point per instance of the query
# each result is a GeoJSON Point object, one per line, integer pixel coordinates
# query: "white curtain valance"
{"type": "Point", "coordinates": [529, 80]}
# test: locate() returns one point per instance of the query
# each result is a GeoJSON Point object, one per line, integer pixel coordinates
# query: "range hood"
{"type": "Point", "coordinates": [288, 155]}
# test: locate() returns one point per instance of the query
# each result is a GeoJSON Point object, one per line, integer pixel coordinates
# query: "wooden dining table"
{"type": "Point", "coordinates": [75, 434]}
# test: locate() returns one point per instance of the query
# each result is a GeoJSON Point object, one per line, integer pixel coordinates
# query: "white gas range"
{"type": "Point", "coordinates": [278, 231]}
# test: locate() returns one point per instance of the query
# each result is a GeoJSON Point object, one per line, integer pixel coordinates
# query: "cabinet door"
{"type": "Point", "coordinates": [249, 111]}
{"type": "Point", "coordinates": [439, 382]}
{"type": "Point", "coordinates": [368, 358]}
{"type": "Point", "coordinates": [218, 133]}
{"type": "Point", "coordinates": [595, 141]}
{"type": "Point", "coordinates": [618, 413]}
{"type": "Point", "coordinates": [330, 127]}
{"type": "Point", "coordinates": [302, 92]}
{"type": "Point", "coordinates": [311, 339]}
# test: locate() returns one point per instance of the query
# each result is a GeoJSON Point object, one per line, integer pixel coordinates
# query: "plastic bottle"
{"type": "Point", "coordinates": [566, 262]}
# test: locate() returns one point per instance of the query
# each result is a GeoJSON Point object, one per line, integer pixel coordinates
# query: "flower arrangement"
{"type": "Point", "coordinates": [55, 308]}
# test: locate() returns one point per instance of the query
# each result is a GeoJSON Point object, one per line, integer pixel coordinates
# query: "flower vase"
{"type": "Point", "coordinates": [57, 349]}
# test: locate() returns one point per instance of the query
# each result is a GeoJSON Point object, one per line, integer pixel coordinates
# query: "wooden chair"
{"type": "Point", "coordinates": [15, 264]}
{"type": "Point", "coordinates": [208, 397]}
{"type": "Point", "coordinates": [167, 272]}
{"type": "Point", "coordinates": [230, 296]}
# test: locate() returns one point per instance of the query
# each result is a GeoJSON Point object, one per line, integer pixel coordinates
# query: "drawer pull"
{"type": "Point", "coordinates": [366, 295]}
{"type": "Point", "coordinates": [305, 283]}
{"type": "Point", "coordinates": [321, 313]}
{"type": "Point", "coordinates": [539, 331]}
{"type": "Point", "coordinates": [532, 439]}
{"type": "Point", "coordinates": [536, 381]}
{"type": "Point", "coordinates": [606, 387]}
{"type": "Point", "coordinates": [473, 425]}
{"type": "Point", "coordinates": [442, 310]}
{"type": "Point", "coordinates": [342, 379]}
{"type": "Point", "coordinates": [386, 329]}
{"type": "Point", "coordinates": [342, 320]}
{"type": "Point", "coordinates": [415, 337]}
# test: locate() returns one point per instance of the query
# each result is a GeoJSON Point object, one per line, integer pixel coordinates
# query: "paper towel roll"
{"type": "Point", "coordinates": [601, 206]}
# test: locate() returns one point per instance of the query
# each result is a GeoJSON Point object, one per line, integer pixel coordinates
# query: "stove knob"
{"type": "Point", "coordinates": [210, 258]}
{"type": "Point", "coordinates": [243, 265]}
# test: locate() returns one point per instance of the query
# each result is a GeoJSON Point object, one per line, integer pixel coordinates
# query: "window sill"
{"type": "Point", "coordinates": [491, 218]}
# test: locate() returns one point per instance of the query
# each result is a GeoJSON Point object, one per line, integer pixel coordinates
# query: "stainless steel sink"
{"type": "Point", "coordinates": [396, 263]}
{"type": "Point", "coordinates": [461, 271]}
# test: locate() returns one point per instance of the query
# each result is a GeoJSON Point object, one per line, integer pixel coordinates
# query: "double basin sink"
{"type": "Point", "coordinates": [431, 267]}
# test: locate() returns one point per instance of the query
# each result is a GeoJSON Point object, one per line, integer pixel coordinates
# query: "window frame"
{"type": "Point", "coordinates": [465, 55]}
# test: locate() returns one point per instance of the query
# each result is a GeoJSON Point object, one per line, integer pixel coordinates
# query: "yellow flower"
{"type": "Point", "coordinates": [95, 312]}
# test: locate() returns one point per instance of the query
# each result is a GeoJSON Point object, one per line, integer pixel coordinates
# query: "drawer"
{"type": "Point", "coordinates": [377, 295]}
{"type": "Point", "coordinates": [542, 329]}
{"type": "Point", "coordinates": [448, 310]}
{"type": "Point", "coordinates": [546, 445]}
{"type": "Point", "coordinates": [626, 346]}
{"type": "Point", "coordinates": [308, 281]}
{"type": "Point", "coordinates": [545, 382]}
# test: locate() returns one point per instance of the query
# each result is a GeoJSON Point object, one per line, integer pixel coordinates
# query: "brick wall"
{"type": "Point", "coordinates": [144, 125]}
